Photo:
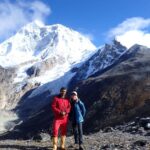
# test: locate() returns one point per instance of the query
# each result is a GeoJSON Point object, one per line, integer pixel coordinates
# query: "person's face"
{"type": "Point", "coordinates": [74, 97]}
{"type": "Point", "coordinates": [63, 93]}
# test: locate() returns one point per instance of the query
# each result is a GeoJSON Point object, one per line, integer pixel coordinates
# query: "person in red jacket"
{"type": "Point", "coordinates": [61, 108]}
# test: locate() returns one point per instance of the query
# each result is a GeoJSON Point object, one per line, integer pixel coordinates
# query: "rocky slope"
{"type": "Point", "coordinates": [119, 94]}
{"type": "Point", "coordinates": [113, 140]}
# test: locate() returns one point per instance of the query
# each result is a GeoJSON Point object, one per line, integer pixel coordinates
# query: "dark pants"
{"type": "Point", "coordinates": [78, 133]}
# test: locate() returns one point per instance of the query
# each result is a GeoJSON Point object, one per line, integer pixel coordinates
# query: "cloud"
{"type": "Point", "coordinates": [132, 31]}
{"type": "Point", "coordinates": [15, 14]}
{"type": "Point", "coordinates": [86, 33]}
{"type": "Point", "coordinates": [89, 36]}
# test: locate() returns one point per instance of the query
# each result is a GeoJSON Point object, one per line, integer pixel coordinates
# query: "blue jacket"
{"type": "Point", "coordinates": [78, 111]}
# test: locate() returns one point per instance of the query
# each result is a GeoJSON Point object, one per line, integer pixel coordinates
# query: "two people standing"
{"type": "Point", "coordinates": [63, 109]}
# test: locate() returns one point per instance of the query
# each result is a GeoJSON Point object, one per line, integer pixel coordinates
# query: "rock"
{"type": "Point", "coordinates": [111, 146]}
{"type": "Point", "coordinates": [6, 88]}
{"type": "Point", "coordinates": [108, 129]}
{"type": "Point", "coordinates": [140, 143]}
{"type": "Point", "coordinates": [134, 129]}
{"type": "Point", "coordinates": [45, 137]}
{"type": "Point", "coordinates": [37, 137]}
{"type": "Point", "coordinates": [145, 123]}
{"type": "Point", "coordinates": [40, 68]}
{"type": "Point", "coordinates": [75, 69]}
{"type": "Point", "coordinates": [33, 71]}
{"type": "Point", "coordinates": [141, 131]}
{"type": "Point", "coordinates": [147, 134]}
{"type": "Point", "coordinates": [41, 137]}
{"type": "Point", "coordinates": [148, 125]}
{"type": "Point", "coordinates": [104, 147]}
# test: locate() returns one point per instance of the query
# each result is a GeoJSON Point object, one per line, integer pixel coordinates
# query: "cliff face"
{"type": "Point", "coordinates": [121, 93]}
{"type": "Point", "coordinates": [6, 79]}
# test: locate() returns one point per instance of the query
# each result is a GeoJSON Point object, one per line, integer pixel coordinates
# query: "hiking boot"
{"type": "Point", "coordinates": [55, 140]}
{"type": "Point", "coordinates": [63, 139]}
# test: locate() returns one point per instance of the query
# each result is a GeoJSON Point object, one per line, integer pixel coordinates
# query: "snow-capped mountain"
{"type": "Point", "coordinates": [37, 42]}
{"type": "Point", "coordinates": [49, 50]}
{"type": "Point", "coordinates": [38, 54]}
{"type": "Point", "coordinates": [52, 50]}
{"type": "Point", "coordinates": [103, 58]}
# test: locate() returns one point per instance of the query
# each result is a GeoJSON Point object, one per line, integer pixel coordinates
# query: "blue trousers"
{"type": "Point", "coordinates": [78, 132]}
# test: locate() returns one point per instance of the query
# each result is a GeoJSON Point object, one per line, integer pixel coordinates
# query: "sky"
{"type": "Point", "coordinates": [100, 20]}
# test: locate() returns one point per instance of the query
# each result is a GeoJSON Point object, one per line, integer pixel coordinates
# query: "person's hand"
{"type": "Point", "coordinates": [63, 113]}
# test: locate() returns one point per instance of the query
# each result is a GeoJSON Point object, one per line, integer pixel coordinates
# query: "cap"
{"type": "Point", "coordinates": [74, 93]}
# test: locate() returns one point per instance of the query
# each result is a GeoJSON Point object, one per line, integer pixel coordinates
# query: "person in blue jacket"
{"type": "Point", "coordinates": [77, 118]}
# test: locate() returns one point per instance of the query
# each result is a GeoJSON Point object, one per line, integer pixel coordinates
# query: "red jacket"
{"type": "Point", "coordinates": [60, 104]}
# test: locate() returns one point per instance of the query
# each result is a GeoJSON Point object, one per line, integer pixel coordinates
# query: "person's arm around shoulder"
{"type": "Point", "coordinates": [82, 107]}
{"type": "Point", "coordinates": [71, 111]}
{"type": "Point", "coordinates": [69, 107]}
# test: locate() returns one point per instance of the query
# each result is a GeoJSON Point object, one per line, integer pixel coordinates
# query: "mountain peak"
{"type": "Point", "coordinates": [57, 26]}
{"type": "Point", "coordinates": [32, 26]}
{"type": "Point", "coordinates": [39, 24]}
{"type": "Point", "coordinates": [35, 23]}
{"type": "Point", "coordinates": [37, 41]}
